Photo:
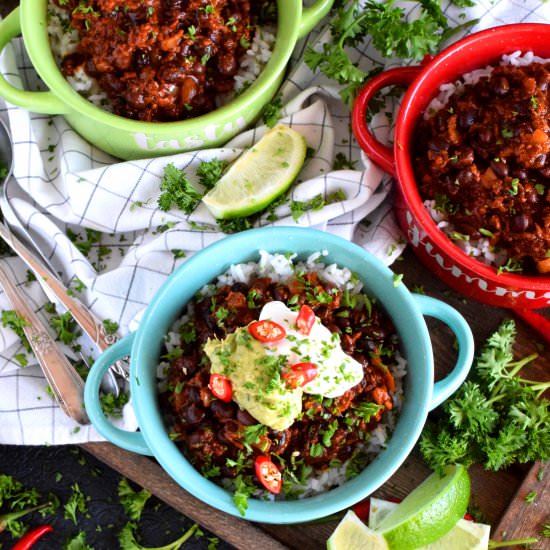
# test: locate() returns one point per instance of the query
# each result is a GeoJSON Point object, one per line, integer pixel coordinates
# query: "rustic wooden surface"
{"type": "Point", "coordinates": [498, 496]}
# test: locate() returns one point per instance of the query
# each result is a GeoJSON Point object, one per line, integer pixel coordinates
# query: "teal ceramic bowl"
{"type": "Point", "coordinates": [132, 139]}
{"type": "Point", "coordinates": [407, 311]}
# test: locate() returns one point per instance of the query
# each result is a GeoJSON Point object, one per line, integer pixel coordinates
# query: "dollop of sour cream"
{"type": "Point", "coordinates": [337, 372]}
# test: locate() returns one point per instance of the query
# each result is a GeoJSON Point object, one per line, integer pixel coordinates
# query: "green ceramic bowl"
{"type": "Point", "coordinates": [131, 139]}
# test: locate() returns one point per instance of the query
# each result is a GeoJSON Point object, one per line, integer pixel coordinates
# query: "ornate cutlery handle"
{"type": "Point", "coordinates": [65, 382]}
{"type": "Point", "coordinates": [81, 314]}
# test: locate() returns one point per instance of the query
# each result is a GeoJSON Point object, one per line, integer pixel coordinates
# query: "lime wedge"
{"type": "Point", "coordinates": [259, 175]}
{"type": "Point", "coordinates": [465, 535]}
{"type": "Point", "coordinates": [352, 534]}
{"type": "Point", "coordinates": [378, 510]}
{"type": "Point", "coordinates": [429, 511]}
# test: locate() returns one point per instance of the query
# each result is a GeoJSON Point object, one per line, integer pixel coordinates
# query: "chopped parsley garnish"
{"type": "Point", "coordinates": [272, 111]}
{"type": "Point", "coordinates": [11, 319]}
{"type": "Point", "coordinates": [176, 190]}
{"type": "Point", "coordinates": [209, 172]}
{"type": "Point", "coordinates": [77, 503]}
{"type": "Point", "coordinates": [243, 489]}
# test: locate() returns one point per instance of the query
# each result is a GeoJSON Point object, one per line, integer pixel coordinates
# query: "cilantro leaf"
{"type": "Point", "coordinates": [78, 542]}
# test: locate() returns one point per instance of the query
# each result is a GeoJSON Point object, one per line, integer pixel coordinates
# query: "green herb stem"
{"type": "Point", "coordinates": [516, 366]}
{"type": "Point", "coordinates": [11, 516]}
{"type": "Point", "coordinates": [517, 542]}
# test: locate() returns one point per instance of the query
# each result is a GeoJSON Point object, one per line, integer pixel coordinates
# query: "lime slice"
{"type": "Point", "coordinates": [259, 175]}
{"type": "Point", "coordinates": [428, 512]}
{"type": "Point", "coordinates": [378, 510]}
{"type": "Point", "coordinates": [352, 534]}
{"type": "Point", "coordinates": [465, 535]}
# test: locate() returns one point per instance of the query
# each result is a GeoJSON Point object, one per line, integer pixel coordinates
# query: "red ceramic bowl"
{"type": "Point", "coordinates": [460, 271]}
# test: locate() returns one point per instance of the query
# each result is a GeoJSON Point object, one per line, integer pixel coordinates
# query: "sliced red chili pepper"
{"type": "Point", "coordinates": [268, 474]}
{"type": "Point", "coordinates": [266, 331]}
{"type": "Point", "coordinates": [300, 374]}
{"type": "Point", "coordinates": [305, 319]}
{"type": "Point", "coordinates": [362, 509]}
{"type": "Point", "coordinates": [28, 539]}
{"type": "Point", "coordinates": [221, 387]}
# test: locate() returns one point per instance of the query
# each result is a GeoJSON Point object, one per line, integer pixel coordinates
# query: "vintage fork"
{"type": "Point", "coordinates": [81, 314]}
{"type": "Point", "coordinates": [65, 382]}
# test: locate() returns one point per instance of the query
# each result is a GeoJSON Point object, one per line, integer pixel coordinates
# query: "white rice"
{"type": "Point", "coordinates": [481, 248]}
{"type": "Point", "coordinates": [64, 40]}
{"type": "Point", "coordinates": [281, 268]}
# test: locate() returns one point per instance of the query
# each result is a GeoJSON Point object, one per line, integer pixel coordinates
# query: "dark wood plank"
{"type": "Point", "coordinates": [523, 518]}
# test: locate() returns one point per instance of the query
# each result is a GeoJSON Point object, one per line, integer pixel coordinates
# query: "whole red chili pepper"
{"type": "Point", "coordinates": [28, 539]}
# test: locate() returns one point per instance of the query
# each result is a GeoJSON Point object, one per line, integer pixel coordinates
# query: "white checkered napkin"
{"type": "Point", "coordinates": [63, 183]}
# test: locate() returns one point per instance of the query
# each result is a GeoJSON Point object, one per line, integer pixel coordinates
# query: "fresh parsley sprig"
{"type": "Point", "coordinates": [496, 418]}
{"type": "Point", "coordinates": [177, 190]}
{"type": "Point", "coordinates": [391, 34]}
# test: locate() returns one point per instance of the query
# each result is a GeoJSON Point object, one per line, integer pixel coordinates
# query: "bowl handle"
{"type": "Point", "coordinates": [37, 102]}
{"type": "Point", "coordinates": [311, 15]}
{"type": "Point", "coordinates": [444, 388]}
{"type": "Point", "coordinates": [378, 152]}
{"type": "Point", "coordinates": [131, 441]}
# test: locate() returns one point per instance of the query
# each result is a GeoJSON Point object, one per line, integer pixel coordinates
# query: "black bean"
{"type": "Point", "coordinates": [501, 85]}
{"type": "Point", "coordinates": [485, 136]}
{"type": "Point", "coordinates": [520, 174]}
{"type": "Point", "coordinates": [499, 167]}
{"type": "Point", "coordinates": [194, 414]}
{"type": "Point", "coordinates": [222, 410]}
{"type": "Point", "coordinates": [519, 223]}
{"type": "Point", "coordinates": [539, 161]}
{"type": "Point", "coordinates": [245, 418]}
{"type": "Point", "coordinates": [438, 144]}
{"type": "Point", "coordinates": [240, 287]}
{"type": "Point", "coordinates": [465, 177]}
{"type": "Point", "coordinates": [466, 118]}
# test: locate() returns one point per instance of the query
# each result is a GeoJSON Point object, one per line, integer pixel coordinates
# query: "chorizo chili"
{"type": "Point", "coordinates": [223, 441]}
{"type": "Point", "coordinates": [484, 158]}
{"type": "Point", "coordinates": [161, 60]}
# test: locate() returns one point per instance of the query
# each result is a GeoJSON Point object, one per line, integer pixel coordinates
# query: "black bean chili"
{"type": "Point", "coordinates": [222, 440]}
{"type": "Point", "coordinates": [485, 160]}
{"type": "Point", "coordinates": [162, 60]}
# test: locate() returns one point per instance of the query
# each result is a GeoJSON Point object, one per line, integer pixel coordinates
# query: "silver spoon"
{"type": "Point", "coordinates": [42, 268]}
